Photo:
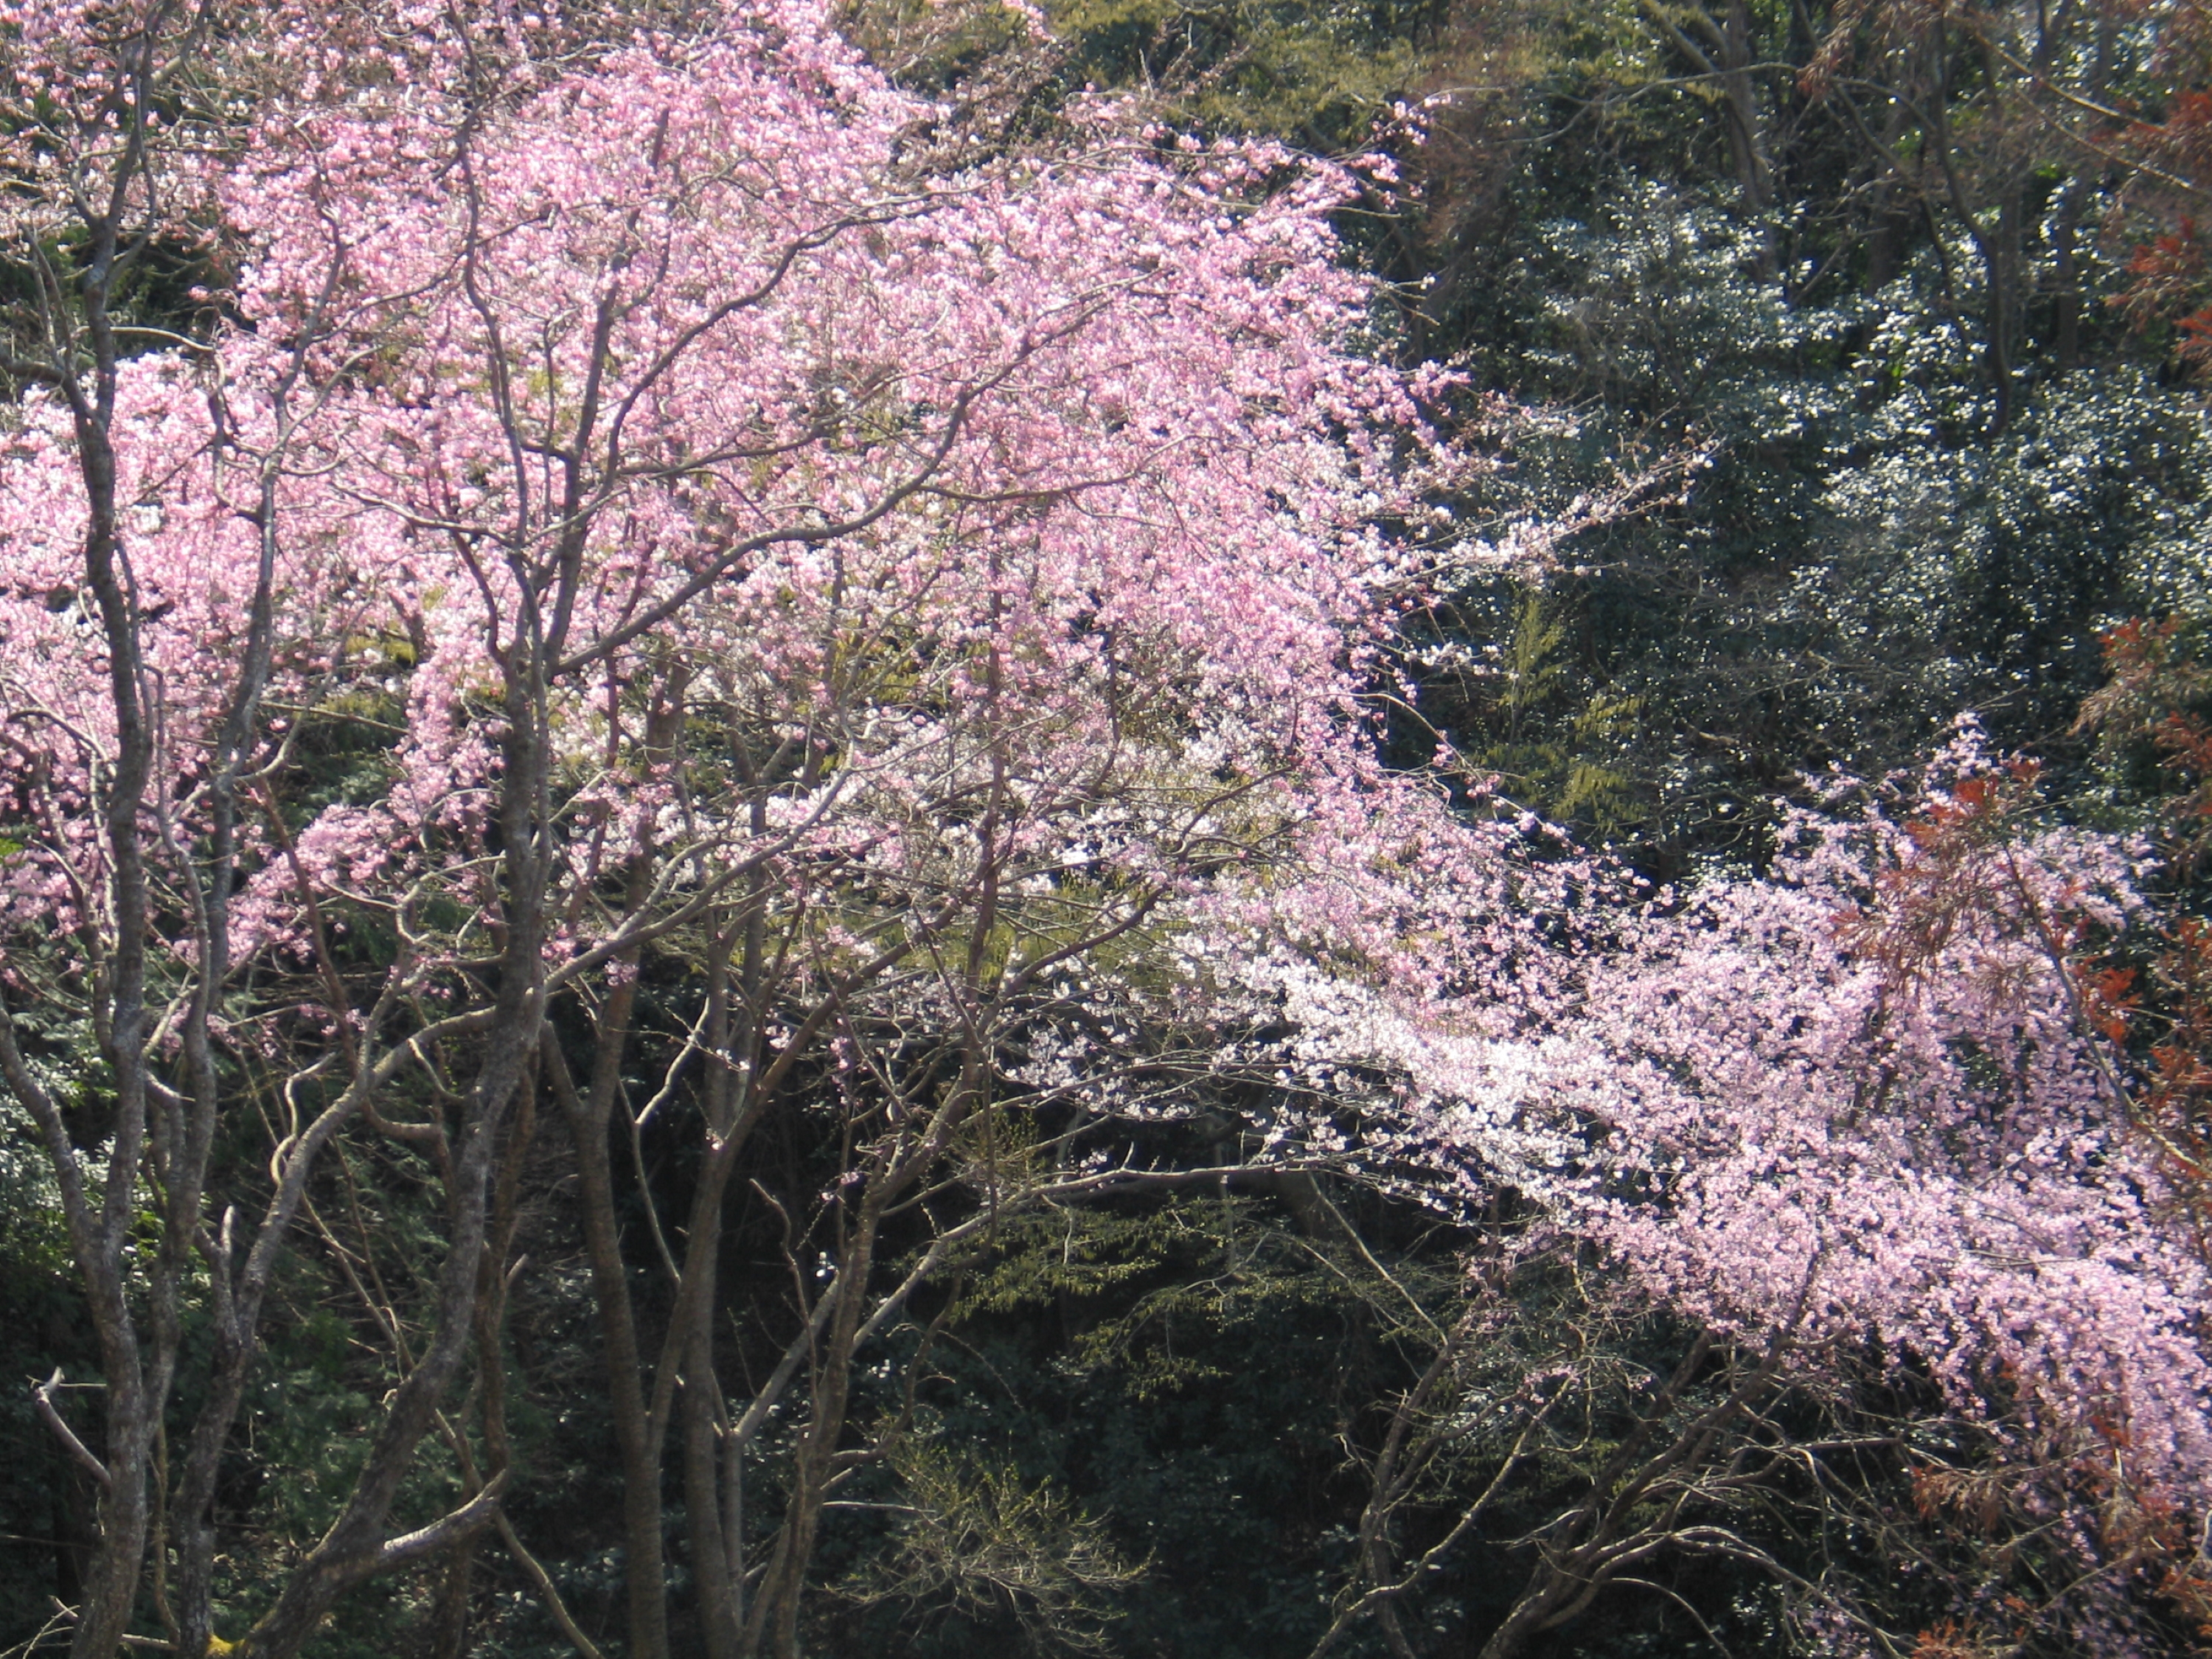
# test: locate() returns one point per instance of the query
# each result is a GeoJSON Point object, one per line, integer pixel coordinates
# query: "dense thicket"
{"type": "Point", "coordinates": [1905, 286]}
{"type": "Point", "coordinates": [822, 935]}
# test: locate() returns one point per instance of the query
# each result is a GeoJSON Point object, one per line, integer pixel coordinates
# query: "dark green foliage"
{"type": "Point", "coordinates": [1179, 1372]}
{"type": "Point", "coordinates": [1318, 75]}
{"type": "Point", "coordinates": [46, 1508]}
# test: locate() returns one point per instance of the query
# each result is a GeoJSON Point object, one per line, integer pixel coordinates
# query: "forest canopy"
{"type": "Point", "coordinates": [1135, 828]}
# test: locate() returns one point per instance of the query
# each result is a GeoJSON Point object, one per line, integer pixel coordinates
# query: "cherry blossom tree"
{"type": "Point", "coordinates": [914, 608]}
{"type": "Point", "coordinates": [1873, 1105]}
{"type": "Point", "coordinates": [665, 588]}
{"type": "Point", "coordinates": [1869, 1129]}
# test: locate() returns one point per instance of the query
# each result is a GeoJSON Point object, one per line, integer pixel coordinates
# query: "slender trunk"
{"type": "Point", "coordinates": [2066, 222]}
{"type": "Point", "coordinates": [2008, 169]}
{"type": "Point", "coordinates": [773, 1628]}
{"type": "Point", "coordinates": [2066, 301]}
{"type": "Point", "coordinates": [590, 1117]}
{"type": "Point", "coordinates": [703, 1501]}
{"type": "Point", "coordinates": [449, 1621]}
{"type": "Point", "coordinates": [723, 1101]}
{"type": "Point", "coordinates": [1746, 122]}
{"type": "Point", "coordinates": [1997, 275]}
{"type": "Point", "coordinates": [1724, 51]}
{"type": "Point", "coordinates": [734, 1522]}
{"type": "Point", "coordinates": [689, 1352]}
{"type": "Point", "coordinates": [644, 1570]}
{"type": "Point", "coordinates": [136, 1388]}
{"type": "Point", "coordinates": [449, 1614]}
{"type": "Point", "coordinates": [237, 1300]}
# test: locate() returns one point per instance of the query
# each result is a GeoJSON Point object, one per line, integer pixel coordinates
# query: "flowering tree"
{"type": "Point", "coordinates": [657, 592]}
{"type": "Point", "coordinates": [1872, 1103]}
{"type": "Point", "coordinates": [668, 591]}
{"type": "Point", "coordinates": [1866, 1128]}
